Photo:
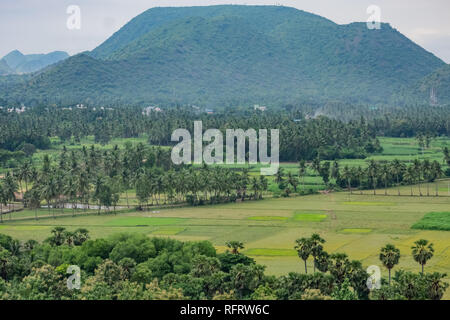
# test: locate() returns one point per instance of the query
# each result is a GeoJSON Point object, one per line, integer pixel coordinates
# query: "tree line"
{"type": "Point", "coordinates": [377, 174]}
{"type": "Point", "coordinates": [135, 267]}
{"type": "Point", "coordinates": [96, 178]}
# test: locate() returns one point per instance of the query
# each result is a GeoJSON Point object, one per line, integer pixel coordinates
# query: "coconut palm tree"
{"type": "Point", "coordinates": [302, 171]}
{"type": "Point", "coordinates": [292, 181]}
{"type": "Point", "coordinates": [409, 177]}
{"type": "Point", "coordinates": [390, 257]}
{"type": "Point", "coordinates": [303, 247]}
{"type": "Point", "coordinates": [422, 251]}
{"type": "Point", "coordinates": [437, 174]}
{"type": "Point", "coordinates": [427, 174]}
{"type": "Point", "coordinates": [386, 176]}
{"type": "Point", "coordinates": [372, 170]}
{"type": "Point", "coordinates": [3, 201]}
{"type": "Point", "coordinates": [397, 168]}
{"type": "Point", "coordinates": [10, 187]}
{"type": "Point", "coordinates": [279, 176]}
{"type": "Point", "coordinates": [347, 176]}
{"type": "Point", "coordinates": [49, 191]}
{"type": "Point", "coordinates": [417, 166]}
{"type": "Point", "coordinates": [360, 174]}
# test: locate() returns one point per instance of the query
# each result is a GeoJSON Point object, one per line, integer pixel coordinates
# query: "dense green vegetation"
{"type": "Point", "coordinates": [236, 55]}
{"type": "Point", "coordinates": [434, 221]}
{"type": "Point", "coordinates": [303, 138]}
{"type": "Point", "coordinates": [126, 266]}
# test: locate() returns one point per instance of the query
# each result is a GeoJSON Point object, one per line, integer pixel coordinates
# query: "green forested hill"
{"type": "Point", "coordinates": [4, 68]}
{"type": "Point", "coordinates": [231, 55]}
{"type": "Point", "coordinates": [439, 81]}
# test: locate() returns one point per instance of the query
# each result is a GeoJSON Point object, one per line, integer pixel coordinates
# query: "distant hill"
{"type": "Point", "coordinates": [231, 55]}
{"type": "Point", "coordinates": [437, 82]}
{"type": "Point", "coordinates": [19, 63]}
{"type": "Point", "coordinates": [4, 68]}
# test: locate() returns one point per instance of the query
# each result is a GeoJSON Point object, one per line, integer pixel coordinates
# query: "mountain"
{"type": "Point", "coordinates": [19, 63]}
{"type": "Point", "coordinates": [231, 55]}
{"type": "Point", "coordinates": [437, 82]}
{"type": "Point", "coordinates": [4, 68]}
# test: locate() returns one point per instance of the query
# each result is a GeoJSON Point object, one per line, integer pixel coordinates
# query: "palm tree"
{"type": "Point", "coordinates": [390, 257]}
{"type": "Point", "coordinates": [263, 185]}
{"type": "Point", "coordinates": [347, 175]}
{"type": "Point", "coordinates": [315, 164]}
{"type": "Point", "coordinates": [49, 191]}
{"type": "Point", "coordinates": [70, 190]}
{"type": "Point", "coordinates": [409, 177]}
{"type": "Point", "coordinates": [58, 235]}
{"type": "Point", "coordinates": [397, 169]}
{"type": "Point", "coordinates": [235, 246]}
{"type": "Point", "coordinates": [302, 171]}
{"type": "Point", "coordinates": [255, 187]}
{"type": "Point", "coordinates": [360, 176]}
{"type": "Point", "coordinates": [422, 251]}
{"type": "Point", "coordinates": [10, 187]}
{"type": "Point", "coordinates": [316, 247]}
{"type": "Point", "coordinates": [3, 201]}
{"type": "Point", "coordinates": [279, 175]}
{"type": "Point", "coordinates": [292, 181]}
{"type": "Point", "coordinates": [385, 173]}
{"type": "Point", "coordinates": [303, 247]}
{"type": "Point", "coordinates": [437, 174]}
{"type": "Point", "coordinates": [34, 200]}
{"type": "Point", "coordinates": [417, 166]}
{"type": "Point", "coordinates": [372, 170]}
{"type": "Point", "coordinates": [427, 174]}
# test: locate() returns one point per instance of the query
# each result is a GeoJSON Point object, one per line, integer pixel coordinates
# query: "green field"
{"type": "Point", "coordinates": [358, 225]}
{"type": "Point", "coordinates": [434, 221]}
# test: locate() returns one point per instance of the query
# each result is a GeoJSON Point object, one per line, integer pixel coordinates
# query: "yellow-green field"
{"type": "Point", "coordinates": [358, 225]}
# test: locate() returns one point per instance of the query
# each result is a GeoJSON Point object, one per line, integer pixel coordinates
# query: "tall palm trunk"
{"type": "Point", "coordinates": [389, 276]}
{"type": "Point", "coordinates": [126, 195]}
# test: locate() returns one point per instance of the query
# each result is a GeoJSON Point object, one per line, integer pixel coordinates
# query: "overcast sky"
{"type": "Point", "coordinates": [40, 26]}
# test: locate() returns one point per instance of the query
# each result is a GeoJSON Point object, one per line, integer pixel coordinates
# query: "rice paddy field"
{"type": "Point", "coordinates": [358, 225]}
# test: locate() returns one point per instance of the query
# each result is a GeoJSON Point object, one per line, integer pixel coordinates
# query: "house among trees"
{"type": "Point", "coordinates": [260, 108]}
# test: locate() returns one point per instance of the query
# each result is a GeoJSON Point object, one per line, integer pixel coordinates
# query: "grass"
{"type": "Point", "coordinates": [434, 221]}
{"type": "Point", "coordinates": [356, 230]}
{"type": "Point", "coordinates": [358, 225]}
{"type": "Point", "coordinates": [143, 221]}
{"type": "Point", "coordinates": [268, 218]}
{"type": "Point", "coordinates": [367, 203]}
{"type": "Point", "coordinates": [269, 228]}
{"type": "Point", "coordinates": [312, 217]}
{"type": "Point", "coordinates": [271, 252]}
{"type": "Point", "coordinates": [167, 231]}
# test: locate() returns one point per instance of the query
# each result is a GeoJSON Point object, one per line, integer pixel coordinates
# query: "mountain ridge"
{"type": "Point", "coordinates": [27, 63]}
{"type": "Point", "coordinates": [233, 55]}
